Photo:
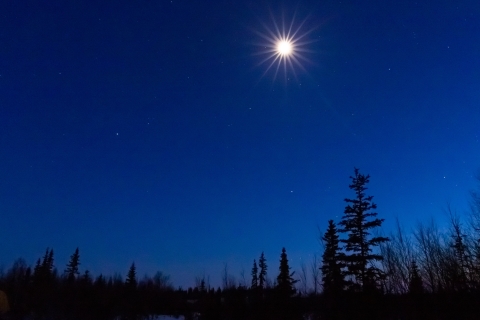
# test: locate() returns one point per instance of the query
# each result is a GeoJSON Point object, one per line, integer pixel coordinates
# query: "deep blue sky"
{"type": "Point", "coordinates": [148, 131]}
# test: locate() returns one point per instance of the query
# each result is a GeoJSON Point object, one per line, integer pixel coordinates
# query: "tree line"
{"type": "Point", "coordinates": [427, 274]}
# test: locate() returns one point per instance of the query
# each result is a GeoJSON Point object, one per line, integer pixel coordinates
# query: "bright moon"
{"type": "Point", "coordinates": [284, 47]}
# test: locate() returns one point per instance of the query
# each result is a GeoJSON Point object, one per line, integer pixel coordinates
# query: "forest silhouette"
{"type": "Point", "coordinates": [362, 274]}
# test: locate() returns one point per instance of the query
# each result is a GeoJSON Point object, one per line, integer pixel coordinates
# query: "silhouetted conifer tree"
{"type": "Point", "coordinates": [43, 286]}
{"type": "Point", "coordinates": [285, 281]}
{"type": "Point", "coordinates": [262, 277]}
{"type": "Point", "coordinates": [43, 271]}
{"type": "Point", "coordinates": [415, 286]}
{"type": "Point", "coordinates": [332, 261]}
{"type": "Point", "coordinates": [254, 275]}
{"type": "Point", "coordinates": [87, 278]}
{"type": "Point", "coordinates": [359, 243]}
{"type": "Point", "coordinates": [131, 280]}
{"type": "Point", "coordinates": [131, 303]}
{"type": "Point", "coordinates": [100, 281]}
{"type": "Point", "coordinates": [463, 262]}
{"type": "Point", "coordinates": [72, 266]}
{"type": "Point", "coordinates": [44, 267]}
{"type": "Point", "coordinates": [38, 268]}
{"type": "Point", "coordinates": [48, 262]}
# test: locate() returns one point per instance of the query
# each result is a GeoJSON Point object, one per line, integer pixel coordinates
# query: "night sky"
{"type": "Point", "coordinates": [155, 131]}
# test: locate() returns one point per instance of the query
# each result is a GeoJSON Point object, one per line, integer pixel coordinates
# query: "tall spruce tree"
{"type": "Point", "coordinates": [87, 278]}
{"type": "Point", "coordinates": [262, 277]}
{"type": "Point", "coordinates": [44, 268]}
{"type": "Point", "coordinates": [462, 260]}
{"type": "Point", "coordinates": [357, 222]}
{"type": "Point", "coordinates": [72, 266]}
{"type": "Point", "coordinates": [38, 268]}
{"type": "Point", "coordinates": [285, 281]}
{"type": "Point", "coordinates": [254, 285]}
{"type": "Point", "coordinates": [415, 285]}
{"type": "Point", "coordinates": [332, 261]}
{"type": "Point", "coordinates": [47, 262]}
{"type": "Point", "coordinates": [50, 261]}
{"type": "Point", "coordinates": [131, 280]}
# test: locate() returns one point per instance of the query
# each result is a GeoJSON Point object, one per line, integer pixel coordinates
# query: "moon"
{"type": "Point", "coordinates": [284, 47]}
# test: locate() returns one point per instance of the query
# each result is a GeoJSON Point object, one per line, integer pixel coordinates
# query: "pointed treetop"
{"type": "Point", "coordinates": [72, 266]}
{"type": "Point", "coordinates": [262, 277]}
{"type": "Point", "coordinates": [131, 280]}
{"type": "Point", "coordinates": [254, 275]}
{"type": "Point", "coordinates": [332, 265]}
{"type": "Point", "coordinates": [285, 281]}
{"type": "Point", "coordinates": [357, 221]}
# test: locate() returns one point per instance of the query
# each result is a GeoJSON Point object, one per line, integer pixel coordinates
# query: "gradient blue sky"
{"type": "Point", "coordinates": [149, 131]}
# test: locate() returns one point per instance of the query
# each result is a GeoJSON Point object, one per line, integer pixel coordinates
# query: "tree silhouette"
{"type": "Point", "coordinates": [48, 262]}
{"type": "Point", "coordinates": [72, 266]}
{"type": "Point", "coordinates": [162, 281]}
{"type": "Point", "coordinates": [462, 264]}
{"type": "Point", "coordinates": [359, 243]}
{"type": "Point", "coordinates": [332, 261]}
{"type": "Point", "coordinates": [131, 280]}
{"type": "Point", "coordinates": [285, 281]}
{"type": "Point", "coordinates": [262, 277]}
{"type": "Point", "coordinates": [254, 275]}
{"type": "Point", "coordinates": [415, 286]}
{"type": "Point", "coordinates": [315, 273]}
{"type": "Point", "coordinates": [44, 269]}
{"type": "Point", "coordinates": [43, 285]}
{"type": "Point", "coordinates": [131, 298]}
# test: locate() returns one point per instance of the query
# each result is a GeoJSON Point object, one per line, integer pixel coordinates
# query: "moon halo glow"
{"type": "Point", "coordinates": [285, 47]}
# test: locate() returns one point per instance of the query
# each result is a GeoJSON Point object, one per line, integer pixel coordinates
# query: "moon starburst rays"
{"type": "Point", "coordinates": [284, 47]}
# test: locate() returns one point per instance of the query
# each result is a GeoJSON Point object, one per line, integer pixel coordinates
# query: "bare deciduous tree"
{"type": "Point", "coordinates": [243, 281]}
{"type": "Point", "coordinates": [315, 273]}
{"type": "Point", "coordinates": [398, 256]}
{"type": "Point", "coordinates": [303, 279]}
{"type": "Point", "coordinates": [433, 256]}
{"type": "Point", "coordinates": [228, 280]}
{"type": "Point", "coordinates": [202, 282]}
